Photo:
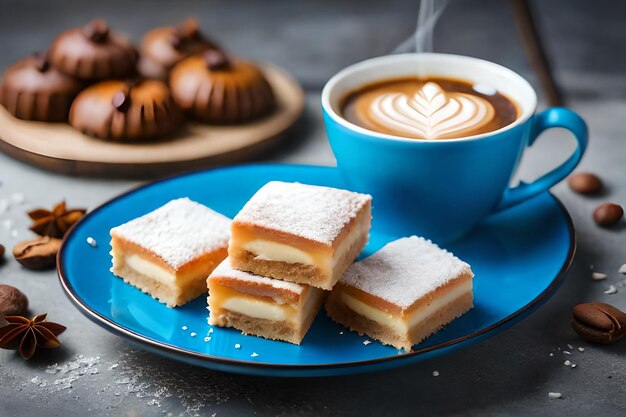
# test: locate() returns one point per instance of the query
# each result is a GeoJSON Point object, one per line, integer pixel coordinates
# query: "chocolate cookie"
{"type": "Point", "coordinates": [221, 90]}
{"type": "Point", "coordinates": [93, 52]}
{"type": "Point", "coordinates": [33, 90]}
{"type": "Point", "coordinates": [126, 112]}
{"type": "Point", "coordinates": [164, 47]}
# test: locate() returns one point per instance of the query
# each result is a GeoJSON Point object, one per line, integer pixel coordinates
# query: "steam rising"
{"type": "Point", "coordinates": [427, 17]}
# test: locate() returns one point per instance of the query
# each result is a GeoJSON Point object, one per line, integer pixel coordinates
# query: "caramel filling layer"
{"type": "Point", "coordinates": [269, 308]}
{"type": "Point", "coordinates": [403, 323]}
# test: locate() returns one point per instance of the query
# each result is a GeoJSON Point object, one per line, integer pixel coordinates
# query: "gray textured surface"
{"type": "Point", "coordinates": [510, 374]}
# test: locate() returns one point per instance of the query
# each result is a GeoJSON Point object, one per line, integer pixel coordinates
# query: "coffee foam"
{"type": "Point", "coordinates": [431, 113]}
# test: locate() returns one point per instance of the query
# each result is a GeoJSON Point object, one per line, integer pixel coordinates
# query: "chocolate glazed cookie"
{"type": "Point", "coordinates": [33, 90]}
{"type": "Point", "coordinates": [126, 111]}
{"type": "Point", "coordinates": [93, 53]}
{"type": "Point", "coordinates": [221, 90]}
{"type": "Point", "coordinates": [164, 47]}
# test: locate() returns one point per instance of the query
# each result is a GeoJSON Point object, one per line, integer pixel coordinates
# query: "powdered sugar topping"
{"type": "Point", "coordinates": [405, 270]}
{"type": "Point", "coordinates": [178, 232]}
{"type": "Point", "coordinates": [313, 212]}
{"type": "Point", "coordinates": [225, 270]}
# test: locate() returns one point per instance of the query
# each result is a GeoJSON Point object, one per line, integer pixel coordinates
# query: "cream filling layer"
{"type": "Point", "coordinates": [403, 325]}
{"type": "Point", "coordinates": [273, 251]}
{"type": "Point", "coordinates": [149, 269]}
{"type": "Point", "coordinates": [256, 308]}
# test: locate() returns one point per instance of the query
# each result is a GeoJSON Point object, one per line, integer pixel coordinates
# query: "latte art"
{"type": "Point", "coordinates": [431, 113]}
{"type": "Point", "coordinates": [432, 108]}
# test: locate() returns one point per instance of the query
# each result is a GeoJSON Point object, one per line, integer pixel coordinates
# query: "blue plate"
{"type": "Point", "coordinates": [519, 256]}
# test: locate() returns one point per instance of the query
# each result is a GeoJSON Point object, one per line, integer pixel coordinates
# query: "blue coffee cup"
{"type": "Point", "coordinates": [441, 189]}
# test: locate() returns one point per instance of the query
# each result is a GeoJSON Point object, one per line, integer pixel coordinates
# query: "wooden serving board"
{"type": "Point", "coordinates": [58, 147]}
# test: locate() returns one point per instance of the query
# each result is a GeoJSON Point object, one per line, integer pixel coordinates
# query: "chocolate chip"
{"type": "Point", "coordinates": [585, 183]}
{"type": "Point", "coordinates": [38, 253]}
{"type": "Point", "coordinates": [96, 31]}
{"type": "Point", "coordinates": [216, 59]}
{"type": "Point", "coordinates": [121, 101]}
{"type": "Point", "coordinates": [608, 214]}
{"type": "Point", "coordinates": [13, 302]}
{"type": "Point", "coordinates": [598, 322]}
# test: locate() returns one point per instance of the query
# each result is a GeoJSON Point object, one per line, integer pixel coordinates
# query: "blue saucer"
{"type": "Point", "coordinates": [519, 257]}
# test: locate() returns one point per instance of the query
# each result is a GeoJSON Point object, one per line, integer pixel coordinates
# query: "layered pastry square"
{"type": "Point", "coordinates": [260, 306]}
{"type": "Point", "coordinates": [300, 233]}
{"type": "Point", "coordinates": [403, 293]}
{"type": "Point", "coordinates": [169, 252]}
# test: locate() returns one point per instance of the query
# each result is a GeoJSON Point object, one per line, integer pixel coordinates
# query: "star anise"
{"type": "Point", "coordinates": [27, 335]}
{"type": "Point", "coordinates": [54, 223]}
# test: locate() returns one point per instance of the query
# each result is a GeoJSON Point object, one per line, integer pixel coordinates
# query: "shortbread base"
{"type": "Point", "coordinates": [296, 272]}
{"type": "Point", "coordinates": [171, 295]}
{"type": "Point", "coordinates": [342, 314]}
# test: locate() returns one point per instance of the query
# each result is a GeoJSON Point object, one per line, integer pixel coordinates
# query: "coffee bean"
{"type": "Point", "coordinates": [13, 302]}
{"type": "Point", "coordinates": [38, 253]}
{"type": "Point", "coordinates": [598, 322]}
{"type": "Point", "coordinates": [608, 214]}
{"type": "Point", "coordinates": [585, 183]}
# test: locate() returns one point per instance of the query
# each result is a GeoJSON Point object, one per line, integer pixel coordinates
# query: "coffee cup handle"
{"type": "Point", "coordinates": [553, 117]}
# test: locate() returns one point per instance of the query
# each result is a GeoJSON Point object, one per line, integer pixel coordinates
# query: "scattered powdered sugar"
{"type": "Point", "coordinates": [611, 290]}
{"type": "Point", "coordinates": [309, 211]}
{"type": "Point", "coordinates": [178, 232]}
{"type": "Point", "coordinates": [65, 375]}
{"type": "Point", "coordinates": [17, 198]}
{"type": "Point", "coordinates": [405, 270]}
{"type": "Point", "coordinates": [598, 276]}
{"type": "Point", "coordinates": [4, 205]}
{"type": "Point", "coordinates": [254, 355]}
{"type": "Point", "coordinates": [622, 269]}
{"type": "Point", "coordinates": [554, 395]}
{"type": "Point", "coordinates": [224, 270]}
{"type": "Point", "coordinates": [135, 375]}
{"type": "Point", "coordinates": [92, 242]}
{"type": "Point", "coordinates": [435, 373]}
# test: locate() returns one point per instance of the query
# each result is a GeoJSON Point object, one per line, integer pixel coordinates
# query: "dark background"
{"type": "Point", "coordinates": [314, 39]}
